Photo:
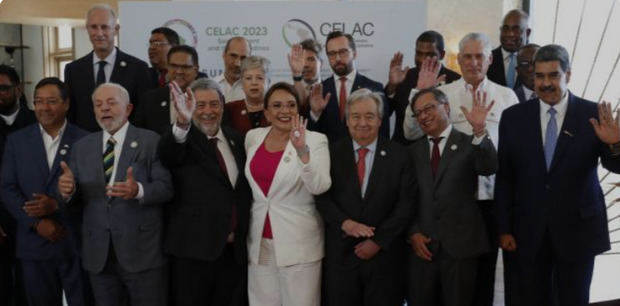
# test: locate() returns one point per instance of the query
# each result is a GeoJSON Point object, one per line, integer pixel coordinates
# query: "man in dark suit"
{"type": "Point", "coordinates": [105, 63]}
{"type": "Point", "coordinates": [551, 209]}
{"type": "Point", "coordinates": [401, 81]}
{"type": "Point", "coordinates": [366, 211]}
{"type": "Point", "coordinates": [327, 109]}
{"type": "Point", "coordinates": [117, 176]}
{"type": "Point", "coordinates": [48, 245]}
{"type": "Point", "coordinates": [448, 232]}
{"type": "Point", "coordinates": [525, 72]}
{"type": "Point", "coordinates": [160, 42]}
{"type": "Point", "coordinates": [208, 266]}
{"type": "Point", "coordinates": [14, 115]}
{"type": "Point", "coordinates": [514, 33]}
{"type": "Point", "coordinates": [154, 111]}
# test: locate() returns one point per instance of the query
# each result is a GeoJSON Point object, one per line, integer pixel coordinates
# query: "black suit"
{"type": "Point", "coordinates": [130, 72]}
{"type": "Point", "coordinates": [496, 72]}
{"type": "Point", "coordinates": [153, 111]}
{"type": "Point", "coordinates": [329, 122]}
{"type": "Point", "coordinates": [400, 100]}
{"type": "Point", "coordinates": [205, 269]}
{"type": "Point", "coordinates": [386, 205]}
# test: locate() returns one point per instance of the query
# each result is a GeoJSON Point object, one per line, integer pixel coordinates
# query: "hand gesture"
{"type": "Point", "coordinates": [296, 60]}
{"type": "Point", "coordinates": [66, 181]}
{"type": "Point", "coordinates": [41, 205]}
{"type": "Point", "coordinates": [419, 242]}
{"type": "Point", "coordinates": [428, 76]}
{"type": "Point", "coordinates": [356, 229]}
{"type": "Point", "coordinates": [397, 73]}
{"type": "Point", "coordinates": [507, 242]}
{"type": "Point", "coordinates": [184, 104]}
{"type": "Point", "coordinates": [366, 249]}
{"type": "Point", "coordinates": [127, 190]}
{"type": "Point", "coordinates": [606, 127]}
{"type": "Point", "coordinates": [317, 101]}
{"type": "Point", "coordinates": [478, 114]}
{"type": "Point", "coordinates": [49, 230]}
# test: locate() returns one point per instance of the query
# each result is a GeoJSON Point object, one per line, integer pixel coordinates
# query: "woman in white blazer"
{"type": "Point", "coordinates": [286, 166]}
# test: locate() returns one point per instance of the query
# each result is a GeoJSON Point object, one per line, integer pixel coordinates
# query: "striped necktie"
{"type": "Point", "coordinates": [108, 159]}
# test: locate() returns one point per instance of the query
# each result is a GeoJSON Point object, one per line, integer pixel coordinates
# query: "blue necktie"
{"type": "Point", "coordinates": [510, 74]}
{"type": "Point", "coordinates": [551, 137]}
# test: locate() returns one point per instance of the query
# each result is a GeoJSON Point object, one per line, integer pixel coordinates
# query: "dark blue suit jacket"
{"type": "Point", "coordinates": [566, 203]}
{"type": "Point", "coordinates": [25, 171]}
{"type": "Point", "coordinates": [330, 124]}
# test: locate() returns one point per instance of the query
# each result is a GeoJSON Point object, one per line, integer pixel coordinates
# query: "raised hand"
{"type": "Point", "coordinates": [296, 60]}
{"type": "Point", "coordinates": [428, 76]}
{"type": "Point", "coordinates": [41, 205]}
{"type": "Point", "coordinates": [317, 101]}
{"type": "Point", "coordinates": [397, 73]}
{"type": "Point", "coordinates": [298, 133]}
{"type": "Point", "coordinates": [127, 190]}
{"type": "Point", "coordinates": [184, 104]}
{"type": "Point", "coordinates": [606, 127]}
{"type": "Point", "coordinates": [478, 114]}
{"type": "Point", "coordinates": [66, 181]}
{"type": "Point", "coordinates": [419, 242]}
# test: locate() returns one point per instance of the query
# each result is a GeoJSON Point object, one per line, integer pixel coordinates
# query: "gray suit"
{"type": "Point", "coordinates": [447, 213]}
{"type": "Point", "coordinates": [122, 235]}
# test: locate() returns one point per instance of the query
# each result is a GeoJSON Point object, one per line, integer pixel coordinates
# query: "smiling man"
{"type": "Point", "coordinates": [514, 33]}
{"type": "Point", "coordinates": [161, 41]}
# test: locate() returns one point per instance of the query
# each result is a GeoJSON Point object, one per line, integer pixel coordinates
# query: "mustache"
{"type": "Point", "coordinates": [546, 88]}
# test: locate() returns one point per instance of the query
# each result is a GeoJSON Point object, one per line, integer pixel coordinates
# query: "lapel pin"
{"type": "Point", "coordinates": [382, 153]}
{"type": "Point", "coordinates": [454, 147]}
{"type": "Point", "coordinates": [568, 133]}
{"type": "Point", "coordinates": [287, 159]}
{"type": "Point", "coordinates": [493, 114]}
{"type": "Point", "coordinates": [134, 144]}
{"type": "Point", "coordinates": [163, 103]}
{"type": "Point", "coordinates": [66, 145]}
{"type": "Point", "coordinates": [232, 143]}
{"type": "Point", "coordinates": [243, 112]}
{"type": "Point", "coordinates": [123, 64]}
{"type": "Point", "coordinates": [63, 152]}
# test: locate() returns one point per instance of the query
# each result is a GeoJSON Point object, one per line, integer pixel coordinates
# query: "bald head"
{"type": "Point", "coordinates": [514, 32]}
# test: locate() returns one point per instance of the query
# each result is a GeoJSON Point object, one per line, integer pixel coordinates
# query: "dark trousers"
{"type": "Point", "coordinates": [550, 281]}
{"type": "Point", "coordinates": [222, 282]}
{"type": "Point", "coordinates": [115, 286]}
{"type": "Point", "coordinates": [443, 281]}
{"type": "Point", "coordinates": [45, 281]}
{"type": "Point", "coordinates": [364, 285]}
{"type": "Point", "coordinates": [12, 291]}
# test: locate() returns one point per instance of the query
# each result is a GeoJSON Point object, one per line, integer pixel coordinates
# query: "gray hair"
{"type": "Point", "coordinates": [438, 95]}
{"type": "Point", "coordinates": [255, 61]}
{"type": "Point", "coordinates": [206, 84]}
{"type": "Point", "coordinates": [552, 52]}
{"type": "Point", "coordinates": [479, 37]}
{"type": "Point", "coordinates": [362, 94]}
{"type": "Point", "coordinates": [103, 7]}
{"type": "Point", "coordinates": [124, 94]}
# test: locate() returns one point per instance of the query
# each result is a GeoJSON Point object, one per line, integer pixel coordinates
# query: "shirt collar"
{"type": "Point", "coordinates": [219, 135]}
{"type": "Point", "coordinates": [60, 132]}
{"type": "Point", "coordinates": [445, 134]}
{"type": "Point", "coordinates": [350, 76]}
{"type": "Point", "coordinates": [483, 85]}
{"type": "Point", "coordinates": [560, 107]}
{"type": "Point", "coordinates": [119, 136]}
{"type": "Point", "coordinates": [506, 54]}
{"type": "Point", "coordinates": [110, 59]}
{"type": "Point", "coordinates": [372, 147]}
{"type": "Point", "coordinates": [527, 92]}
{"type": "Point", "coordinates": [10, 119]}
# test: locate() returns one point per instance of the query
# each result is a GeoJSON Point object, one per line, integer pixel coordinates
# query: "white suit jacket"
{"type": "Point", "coordinates": [296, 225]}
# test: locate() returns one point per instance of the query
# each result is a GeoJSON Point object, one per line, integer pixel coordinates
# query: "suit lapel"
{"type": "Point", "coordinates": [378, 167]}
{"type": "Point", "coordinates": [424, 154]}
{"type": "Point", "coordinates": [201, 143]}
{"type": "Point", "coordinates": [63, 150]}
{"type": "Point", "coordinates": [119, 65]}
{"type": "Point", "coordinates": [568, 129]}
{"type": "Point", "coordinates": [453, 144]}
{"type": "Point", "coordinates": [131, 145]}
{"type": "Point", "coordinates": [36, 143]}
{"type": "Point", "coordinates": [237, 151]}
{"type": "Point", "coordinates": [348, 166]}
{"type": "Point", "coordinates": [162, 113]}
{"type": "Point", "coordinates": [534, 132]}
{"type": "Point", "coordinates": [89, 70]}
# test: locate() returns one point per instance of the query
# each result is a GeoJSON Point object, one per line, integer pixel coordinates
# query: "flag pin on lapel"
{"type": "Point", "coordinates": [382, 153]}
{"type": "Point", "coordinates": [287, 159]}
{"type": "Point", "coordinates": [163, 103]}
{"type": "Point", "coordinates": [63, 152]}
{"type": "Point", "coordinates": [123, 64]}
{"type": "Point", "coordinates": [232, 143]}
{"type": "Point", "coordinates": [134, 144]}
{"type": "Point", "coordinates": [454, 147]}
{"type": "Point", "coordinates": [243, 112]}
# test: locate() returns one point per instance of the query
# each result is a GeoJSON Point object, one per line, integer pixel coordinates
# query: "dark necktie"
{"type": "Point", "coordinates": [100, 74]}
{"type": "Point", "coordinates": [108, 159]}
{"type": "Point", "coordinates": [435, 156]}
{"type": "Point", "coordinates": [343, 96]}
{"type": "Point", "coordinates": [361, 165]}
{"type": "Point", "coordinates": [220, 161]}
{"type": "Point", "coordinates": [161, 81]}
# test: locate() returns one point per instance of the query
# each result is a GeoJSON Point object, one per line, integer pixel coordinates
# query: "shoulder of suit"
{"type": "Point", "coordinates": [75, 130]}
{"type": "Point", "coordinates": [235, 105]}
{"type": "Point", "coordinates": [253, 135]}
{"type": "Point", "coordinates": [231, 134]}
{"type": "Point", "coordinates": [23, 133]}
{"type": "Point", "coordinates": [130, 58]}
{"type": "Point", "coordinates": [156, 92]}
{"type": "Point", "coordinates": [315, 137]}
{"type": "Point", "coordinates": [376, 86]}
{"type": "Point", "coordinates": [88, 58]}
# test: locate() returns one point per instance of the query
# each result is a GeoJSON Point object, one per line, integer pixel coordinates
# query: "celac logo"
{"type": "Point", "coordinates": [187, 33]}
{"type": "Point", "coordinates": [296, 30]}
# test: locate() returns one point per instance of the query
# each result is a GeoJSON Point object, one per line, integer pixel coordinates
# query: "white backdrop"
{"type": "Point", "coordinates": [379, 29]}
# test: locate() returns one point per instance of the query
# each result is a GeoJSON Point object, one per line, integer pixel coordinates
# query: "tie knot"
{"type": "Point", "coordinates": [111, 141]}
{"type": "Point", "coordinates": [436, 140]}
{"type": "Point", "coordinates": [213, 141]}
{"type": "Point", "coordinates": [552, 111]}
{"type": "Point", "coordinates": [362, 152]}
{"type": "Point", "coordinates": [102, 64]}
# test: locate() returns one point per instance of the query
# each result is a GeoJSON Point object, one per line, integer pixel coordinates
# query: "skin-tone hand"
{"type": "Point", "coordinates": [356, 229]}
{"type": "Point", "coordinates": [298, 137]}
{"type": "Point", "coordinates": [2, 235]}
{"type": "Point", "coordinates": [419, 242]}
{"type": "Point", "coordinates": [317, 101]}
{"type": "Point", "coordinates": [49, 230]}
{"type": "Point", "coordinates": [397, 73]}
{"type": "Point", "coordinates": [428, 76]}
{"type": "Point", "coordinates": [366, 249]}
{"type": "Point", "coordinates": [66, 181]}
{"type": "Point", "coordinates": [41, 205]}
{"type": "Point", "coordinates": [507, 242]}
{"type": "Point", "coordinates": [606, 127]}
{"type": "Point", "coordinates": [296, 60]}
{"type": "Point", "coordinates": [184, 104]}
{"type": "Point", "coordinates": [127, 190]}
{"type": "Point", "coordinates": [478, 114]}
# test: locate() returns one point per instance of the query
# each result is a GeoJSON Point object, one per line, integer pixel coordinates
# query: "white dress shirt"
{"type": "Point", "coordinates": [528, 93]}
{"type": "Point", "coordinates": [559, 116]}
{"type": "Point", "coordinates": [51, 143]}
{"type": "Point", "coordinates": [107, 69]}
{"type": "Point", "coordinates": [368, 162]}
{"type": "Point", "coordinates": [232, 92]}
{"type": "Point", "coordinates": [10, 119]}
{"type": "Point", "coordinates": [119, 137]}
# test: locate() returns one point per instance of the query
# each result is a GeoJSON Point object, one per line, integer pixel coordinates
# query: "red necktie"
{"type": "Point", "coordinates": [161, 81]}
{"type": "Point", "coordinates": [222, 164]}
{"type": "Point", "coordinates": [343, 96]}
{"type": "Point", "coordinates": [435, 155]}
{"type": "Point", "coordinates": [361, 165]}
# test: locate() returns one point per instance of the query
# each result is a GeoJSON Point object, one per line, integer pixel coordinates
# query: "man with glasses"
{"type": "Point", "coordinates": [514, 33]}
{"type": "Point", "coordinates": [328, 101]}
{"type": "Point", "coordinates": [525, 72]}
{"type": "Point", "coordinates": [160, 42]}
{"type": "Point", "coordinates": [154, 111]}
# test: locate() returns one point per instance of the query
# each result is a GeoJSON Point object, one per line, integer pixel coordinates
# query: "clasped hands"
{"type": "Point", "coordinates": [366, 249]}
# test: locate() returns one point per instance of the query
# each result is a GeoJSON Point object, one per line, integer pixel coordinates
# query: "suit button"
{"type": "Point", "coordinates": [547, 186]}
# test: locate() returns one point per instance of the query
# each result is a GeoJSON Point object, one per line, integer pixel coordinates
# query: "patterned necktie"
{"type": "Point", "coordinates": [361, 165]}
{"type": "Point", "coordinates": [435, 155]}
{"type": "Point", "coordinates": [551, 137]}
{"type": "Point", "coordinates": [510, 74]}
{"type": "Point", "coordinates": [100, 74]}
{"type": "Point", "coordinates": [108, 159]}
{"type": "Point", "coordinates": [343, 96]}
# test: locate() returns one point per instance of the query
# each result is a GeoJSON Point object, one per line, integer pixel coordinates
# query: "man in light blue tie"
{"type": "Point", "coordinates": [514, 33]}
{"type": "Point", "coordinates": [551, 209]}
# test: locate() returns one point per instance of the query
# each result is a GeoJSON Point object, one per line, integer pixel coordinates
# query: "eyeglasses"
{"type": "Point", "coordinates": [184, 68]}
{"type": "Point", "coordinates": [157, 43]}
{"type": "Point", "coordinates": [342, 53]}
{"type": "Point", "coordinates": [425, 110]}
{"type": "Point", "coordinates": [46, 102]}
{"type": "Point", "coordinates": [5, 88]}
{"type": "Point", "coordinates": [525, 64]}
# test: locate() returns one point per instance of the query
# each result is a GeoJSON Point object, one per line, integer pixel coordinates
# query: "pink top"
{"type": "Point", "coordinates": [263, 168]}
